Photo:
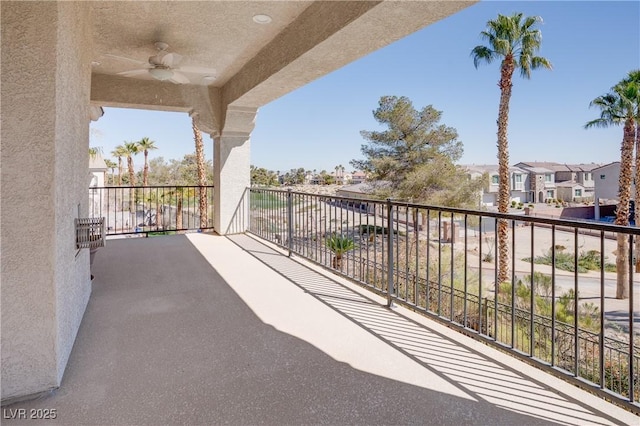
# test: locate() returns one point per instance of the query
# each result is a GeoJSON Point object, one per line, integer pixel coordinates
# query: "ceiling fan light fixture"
{"type": "Point", "coordinates": [161, 73]}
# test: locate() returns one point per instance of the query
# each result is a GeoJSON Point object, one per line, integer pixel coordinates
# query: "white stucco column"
{"type": "Point", "coordinates": [231, 177]}
{"type": "Point", "coordinates": [231, 169]}
{"type": "Point", "coordinates": [46, 76]}
{"type": "Point", "coordinates": [596, 208]}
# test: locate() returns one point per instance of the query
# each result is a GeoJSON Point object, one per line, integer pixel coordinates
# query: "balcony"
{"type": "Point", "coordinates": [234, 331]}
{"type": "Point", "coordinates": [266, 327]}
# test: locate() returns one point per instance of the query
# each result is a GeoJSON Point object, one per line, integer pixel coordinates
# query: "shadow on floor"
{"type": "Point", "coordinates": [473, 372]}
{"type": "Point", "coordinates": [165, 340]}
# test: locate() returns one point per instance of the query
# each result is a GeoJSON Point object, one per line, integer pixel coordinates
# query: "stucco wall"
{"type": "Point", "coordinates": [45, 124]}
{"type": "Point", "coordinates": [607, 182]}
{"type": "Point", "coordinates": [73, 82]}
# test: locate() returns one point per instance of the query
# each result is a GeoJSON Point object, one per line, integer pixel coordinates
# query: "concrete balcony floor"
{"type": "Point", "coordinates": [203, 329]}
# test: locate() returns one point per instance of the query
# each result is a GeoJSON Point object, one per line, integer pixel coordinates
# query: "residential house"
{"type": "Point", "coordinates": [570, 191]}
{"type": "Point", "coordinates": [97, 177]}
{"type": "Point", "coordinates": [607, 185]}
{"type": "Point", "coordinates": [580, 173]}
{"type": "Point", "coordinates": [341, 176]}
{"type": "Point", "coordinates": [572, 173]}
{"type": "Point", "coordinates": [542, 183]}
{"type": "Point", "coordinates": [316, 180]}
{"type": "Point", "coordinates": [518, 184]}
{"type": "Point", "coordinates": [97, 171]}
{"type": "Point", "coordinates": [358, 177]}
{"type": "Point", "coordinates": [308, 177]}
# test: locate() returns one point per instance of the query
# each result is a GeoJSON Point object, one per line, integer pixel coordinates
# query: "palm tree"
{"type": "Point", "coordinates": [111, 165]}
{"type": "Point", "coordinates": [180, 193]}
{"type": "Point", "coordinates": [513, 40]}
{"type": "Point", "coordinates": [202, 174]}
{"type": "Point", "coordinates": [634, 78]}
{"type": "Point", "coordinates": [145, 145]}
{"type": "Point", "coordinates": [94, 151]}
{"type": "Point", "coordinates": [131, 149]}
{"type": "Point", "coordinates": [119, 152]}
{"type": "Point", "coordinates": [620, 107]}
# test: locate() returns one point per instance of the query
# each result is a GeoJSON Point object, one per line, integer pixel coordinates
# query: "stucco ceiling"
{"type": "Point", "coordinates": [254, 63]}
{"type": "Point", "coordinates": [220, 35]}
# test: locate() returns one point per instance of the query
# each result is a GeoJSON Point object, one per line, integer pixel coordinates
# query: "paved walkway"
{"type": "Point", "coordinates": [200, 329]}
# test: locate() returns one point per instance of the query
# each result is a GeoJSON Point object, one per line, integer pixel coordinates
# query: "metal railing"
{"type": "Point", "coordinates": [152, 210]}
{"type": "Point", "coordinates": [441, 262]}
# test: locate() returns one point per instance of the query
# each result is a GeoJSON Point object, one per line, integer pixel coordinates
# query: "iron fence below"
{"type": "Point", "coordinates": [149, 210]}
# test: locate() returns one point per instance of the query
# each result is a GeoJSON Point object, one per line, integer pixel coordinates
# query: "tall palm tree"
{"type": "Point", "coordinates": [202, 174]}
{"type": "Point", "coordinates": [111, 165]}
{"type": "Point", "coordinates": [514, 40]}
{"type": "Point", "coordinates": [94, 151]}
{"type": "Point", "coordinates": [119, 152]}
{"type": "Point", "coordinates": [620, 107]}
{"type": "Point", "coordinates": [634, 78]}
{"type": "Point", "coordinates": [131, 149]}
{"type": "Point", "coordinates": [145, 145]}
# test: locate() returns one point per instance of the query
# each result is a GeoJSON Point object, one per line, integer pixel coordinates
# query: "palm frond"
{"type": "Point", "coordinates": [540, 62]}
{"type": "Point", "coordinates": [482, 54]}
{"type": "Point", "coordinates": [515, 36]}
{"type": "Point", "coordinates": [146, 144]}
{"type": "Point", "coordinates": [614, 110]}
{"type": "Point", "coordinates": [524, 63]}
{"type": "Point", "coordinates": [94, 151]}
{"type": "Point", "coordinates": [530, 21]}
{"type": "Point", "coordinates": [598, 122]}
{"type": "Point", "coordinates": [340, 244]}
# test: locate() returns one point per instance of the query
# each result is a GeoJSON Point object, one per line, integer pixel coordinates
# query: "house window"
{"type": "Point", "coordinates": [547, 177]}
{"type": "Point", "coordinates": [602, 177]}
{"type": "Point", "coordinates": [578, 193]}
{"type": "Point", "coordinates": [587, 176]}
{"type": "Point", "coordinates": [518, 178]}
{"type": "Point", "coordinates": [494, 179]}
{"type": "Point", "coordinates": [550, 194]}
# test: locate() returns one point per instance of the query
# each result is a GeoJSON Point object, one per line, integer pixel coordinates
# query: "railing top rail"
{"type": "Point", "coordinates": [570, 223]}
{"type": "Point", "coordinates": [149, 186]}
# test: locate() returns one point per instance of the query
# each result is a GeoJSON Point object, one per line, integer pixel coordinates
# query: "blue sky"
{"type": "Point", "coordinates": [592, 45]}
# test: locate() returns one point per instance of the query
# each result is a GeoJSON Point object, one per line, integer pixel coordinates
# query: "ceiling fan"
{"type": "Point", "coordinates": [165, 66]}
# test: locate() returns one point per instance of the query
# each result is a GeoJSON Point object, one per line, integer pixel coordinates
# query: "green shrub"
{"type": "Point", "coordinates": [587, 261]}
{"type": "Point", "coordinates": [374, 229]}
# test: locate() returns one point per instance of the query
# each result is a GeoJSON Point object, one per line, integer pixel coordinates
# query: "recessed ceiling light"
{"type": "Point", "coordinates": [261, 19]}
{"type": "Point", "coordinates": [95, 63]}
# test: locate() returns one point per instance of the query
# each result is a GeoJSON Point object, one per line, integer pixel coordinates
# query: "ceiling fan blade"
{"type": "Point", "coordinates": [171, 60]}
{"type": "Point", "coordinates": [124, 58]}
{"type": "Point", "coordinates": [180, 78]}
{"type": "Point", "coordinates": [134, 73]}
{"type": "Point", "coordinates": [198, 70]}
